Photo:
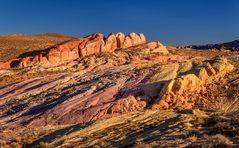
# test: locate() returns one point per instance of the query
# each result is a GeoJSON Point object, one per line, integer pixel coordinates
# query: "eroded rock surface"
{"type": "Point", "coordinates": [99, 77]}
{"type": "Point", "coordinates": [192, 80]}
{"type": "Point", "coordinates": [81, 98]}
{"type": "Point", "coordinates": [85, 96]}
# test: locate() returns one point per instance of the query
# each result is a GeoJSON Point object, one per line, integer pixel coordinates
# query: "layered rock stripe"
{"type": "Point", "coordinates": [79, 98]}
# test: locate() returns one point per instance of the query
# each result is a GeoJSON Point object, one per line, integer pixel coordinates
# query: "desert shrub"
{"type": "Point", "coordinates": [235, 121]}
{"type": "Point", "coordinates": [199, 118]}
{"type": "Point", "coordinates": [14, 144]}
{"type": "Point", "coordinates": [43, 145]}
{"type": "Point", "coordinates": [213, 119]}
{"type": "Point", "coordinates": [218, 140]}
{"type": "Point", "coordinates": [193, 137]}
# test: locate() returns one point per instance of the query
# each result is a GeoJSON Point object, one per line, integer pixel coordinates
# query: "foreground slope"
{"type": "Point", "coordinates": [132, 96]}
{"type": "Point", "coordinates": [149, 128]}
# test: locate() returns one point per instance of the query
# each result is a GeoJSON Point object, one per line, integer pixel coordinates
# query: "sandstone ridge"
{"type": "Point", "coordinates": [80, 47]}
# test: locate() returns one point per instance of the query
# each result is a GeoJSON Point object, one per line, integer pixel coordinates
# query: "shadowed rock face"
{"type": "Point", "coordinates": [73, 49]}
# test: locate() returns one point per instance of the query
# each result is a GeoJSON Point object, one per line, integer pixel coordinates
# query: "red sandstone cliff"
{"type": "Point", "coordinates": [79, 47]}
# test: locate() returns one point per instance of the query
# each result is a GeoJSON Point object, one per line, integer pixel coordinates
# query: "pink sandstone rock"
{"type": "Point", "coordinates": [73, 49]}
{"type": "Point", "coordinates": [120, 39]}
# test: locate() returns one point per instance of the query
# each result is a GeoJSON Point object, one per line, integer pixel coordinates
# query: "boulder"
{"type": "Point", "coordinates": [127, 104]}
{"type": "Point", "coordinates": [127, 42]}
{"type": "Point", "coordinates": [91, 44]}
{"type": "Point", "coordinates": [110, 44]}
{"type": "Point", "coordinates": [135, 39]}
{"type": "Point", "coordinates": [153, 89]}
{"type": "Point", "coordinates": [222, 66]}
{"type": "Point", "coordinates": [190, 79]}
{"type": "Point", "coordinates": [185, 67]}
{"type": "Point", "coordinates": [202, 74]}
{"type": "Point", "coordinates": [166, 73]}
{"type": "Point", "coordinates": [210, 70]}
{"type": "Point", "coordinates": [185, 83]}
{"type": "Point", "coordinates": [142, 37]}
{"type": "Point", "coordinates": [157, 47]}
{"type": "Point", "coordinates": [120, 39]}
{"type": "Point", "coordinates": [160, 79]}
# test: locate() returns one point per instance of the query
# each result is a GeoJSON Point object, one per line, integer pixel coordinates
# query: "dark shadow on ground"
{"type": "Point", "coordinates": [146, 134]}
{"type": "Point", "coordinates": [57, 134]}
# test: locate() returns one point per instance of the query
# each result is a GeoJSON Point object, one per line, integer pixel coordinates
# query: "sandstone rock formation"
{"type": "Point", "coordinates": [192, 79]}
{"type": "Point", "coordinates": [157, 47]}
{"type": "Point", "coordinates": [80, 47]}
{"type": "Point", "coordinates": [7, 64]}
{"type": "Point", "coordinates": [120, 39]}
{"type": "Point", "coordinates": [98, 77]}
{"type": "Point", "coordinates": [106, 85]}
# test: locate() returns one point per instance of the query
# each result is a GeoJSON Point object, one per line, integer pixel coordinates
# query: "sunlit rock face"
{"type": "Point", "coordinates": [80, 47]}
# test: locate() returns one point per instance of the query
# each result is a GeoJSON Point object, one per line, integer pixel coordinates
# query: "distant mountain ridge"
{"type": "Point", "coordinates": [233, 45]}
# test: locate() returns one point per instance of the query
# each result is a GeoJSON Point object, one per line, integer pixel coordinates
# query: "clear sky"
{"type": "Point", "coordinates": [173, 22]}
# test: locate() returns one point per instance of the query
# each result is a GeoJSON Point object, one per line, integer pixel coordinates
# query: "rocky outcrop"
{"type": "Point", "coordinates": [110, 44]}
{"type": "Point", "coordinates": [6, 65]}
{"type": "Point", "coordinates": [77, 48]}
{"type": "Point", "coordinates": [157, 47]}
{"type": "Point", "coordinates": [190, 80]}
{"type": "Point", "coordinates": [107, 89]}
{"type": "Point", "coordinates": [92, 96]}
{"type": "Point", "coordinates": [70, 50]}
{"type": "Point", "coordinates": [120, 39]}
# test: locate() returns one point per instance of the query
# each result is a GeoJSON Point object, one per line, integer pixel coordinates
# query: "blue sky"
{"type": "Point", "coordinates": [173, 22]}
